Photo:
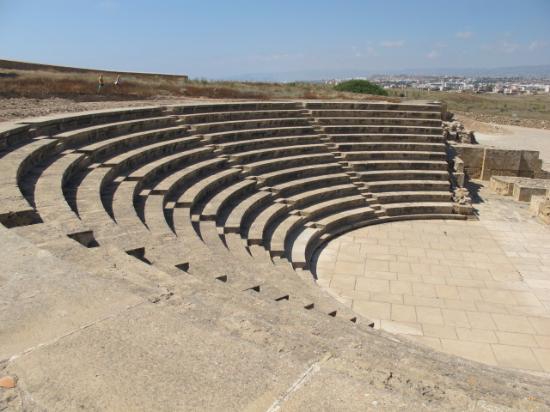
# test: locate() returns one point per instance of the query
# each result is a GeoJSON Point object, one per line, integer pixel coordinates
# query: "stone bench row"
{"type": "Point", "coordinates": [382, 137]}
{"type": "Point", "coordinates": [382, 129]}
{"type": "Point", "coordinates": [250, 124]}
{"type": "Point", "coordinates": [373, 113]}
{"type": "Point", "coordinates": [123, 166]}
{"type": "Point", "coordinates": [371, 106]}
{"type": "Point", "coordinates": [520, 188]}
{"type": "Point", "coordinates": [125, 190]}
{"type": "Point", "coordinates": [377, 121]}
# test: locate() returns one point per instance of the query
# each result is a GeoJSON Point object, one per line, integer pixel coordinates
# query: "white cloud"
{"type": "Point", "coordinates": [392, 44]}
{"type": "Point", "coordinates": [432, 54]}
{"type": "Point", "coordinates": [276, 57]}
{"type": "Point", "coordinates": [504, 46]}
{"type": "Point", "coordinates": [362, 52]}
{"type": "Point", "coordinates": [537, 44]}
{"type": "Point", "coordinates": [464, 34]}
{"type": "Point", "coordinates": [508, 47]}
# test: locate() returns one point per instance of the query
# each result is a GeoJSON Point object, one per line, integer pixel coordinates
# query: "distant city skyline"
{"type": "Point", "coordinates": [291, 40]}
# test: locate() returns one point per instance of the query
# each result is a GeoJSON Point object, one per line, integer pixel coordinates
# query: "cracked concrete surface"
{"type": "Point", "coordinates": [75, 340]}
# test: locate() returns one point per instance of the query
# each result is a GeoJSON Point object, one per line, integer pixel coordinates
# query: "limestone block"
{"type": "Point", "coordinates": [458, 165]}
{"type": "Point", "coordinates": [472, 158]}
{"type": "Point", "coordinates": [535, 203]}
{"type": "Point", "coordinates": [523, 191]}
{"type": "Point", "coordinates": [544, 210]}
{"type": "Point", "coordinates": [502, 185]}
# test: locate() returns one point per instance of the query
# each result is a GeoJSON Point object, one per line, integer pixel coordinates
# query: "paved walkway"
{"type": "Point", "coordinates": [476, 289]}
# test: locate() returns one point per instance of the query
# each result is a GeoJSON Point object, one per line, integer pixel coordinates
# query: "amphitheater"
{"type": "Point", "coordinates": [262, 256]}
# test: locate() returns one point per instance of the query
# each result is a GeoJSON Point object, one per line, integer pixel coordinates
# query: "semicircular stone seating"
{"type": "Point", "coordinates": [237, 195]}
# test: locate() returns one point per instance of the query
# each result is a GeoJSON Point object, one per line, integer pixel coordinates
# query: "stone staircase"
{"type": "Point", "coordinates": [241, 194]}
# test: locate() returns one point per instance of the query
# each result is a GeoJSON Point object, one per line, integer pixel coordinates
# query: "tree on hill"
{"type": "Point", "coordinates": [361, 86]}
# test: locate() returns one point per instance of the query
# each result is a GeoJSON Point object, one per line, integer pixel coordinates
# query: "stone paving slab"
{"type": "Point", "coordinates": [476, 289]}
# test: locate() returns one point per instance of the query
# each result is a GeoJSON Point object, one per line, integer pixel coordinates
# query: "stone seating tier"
{"type": "Point", "coordinates": [239, 193]}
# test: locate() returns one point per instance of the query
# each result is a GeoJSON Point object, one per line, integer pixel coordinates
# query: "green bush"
{"type": "Point", "coordinates": [360, 86]}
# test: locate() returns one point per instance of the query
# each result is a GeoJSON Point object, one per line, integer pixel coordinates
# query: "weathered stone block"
{"type": "Point", "coordinates": [523, 191]}
{"type": "Point", "coordinates": [502, 185]}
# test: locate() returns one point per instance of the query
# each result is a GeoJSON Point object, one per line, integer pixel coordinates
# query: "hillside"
{"type": "Point", "coordinates": [45, 81]}
{"type": "Point", "coordinates": [62, 89]}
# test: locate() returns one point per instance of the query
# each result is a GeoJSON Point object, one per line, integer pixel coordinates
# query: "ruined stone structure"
{"type": "Point", "coordinates": [218, 211]}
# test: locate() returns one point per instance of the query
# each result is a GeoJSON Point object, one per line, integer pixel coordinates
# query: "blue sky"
{"type": "Point", "coordinates": [221, 39]}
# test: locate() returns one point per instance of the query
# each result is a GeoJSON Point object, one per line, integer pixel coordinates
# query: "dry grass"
{"type": "Point", "coordinates": [43, 84]}
{"type": "Point", "coordinates": [492, 106]}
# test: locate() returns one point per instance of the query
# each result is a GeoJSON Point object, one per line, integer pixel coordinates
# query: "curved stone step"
{"type": "Point", "coordinates": [418, 208]}
{"type": "Point", "coordinates": [263, 220]}
{"type": "Point", "coordinates": [385, 138]}
{"type": "Point", "coordinates": [334, 205]}
{"type": "Point", "coordinates": [141, 155]}
{"type": "Point", "coordinates": [372, 106]}
{"type": "Point", "coordinates": [166, 164]}
{"type": "Point", "coordinates": [15, 209]}
{"type": "Point", "coordinates": [255, 144]}
{"type": "Point", "coordinates": [373, 165]}
{"type": "Point", "coordinates": [277, 152]}
{"type": "Point", "coordinates": [394, 155]}
{"type": "Point", "coordinates": [303, 171]}
{"type": "Point", "coordinates": [49, 197]}
{"type": "Point", "coordinates": [58, 123]}
{"type": "Point", "coordinates": [205, 187]}
{"type": "Point", "coordinates": [390, 146]}
{"type": "Point", "coordinates": [231, 106]}
{"type": "Point", "coordinates": [407, 185]}
{"type": "Point", "coordinates": [346, 219]}
{"type": "Point", "coordinates": [154, 214]}
{"type": "Point", "coordinates": [377, 176]}
{"type": "Point", "coordinates": [88, 135]}
{"type": "Point", "coordinates": [283, 229]}
{"type": "Point", "coordinates": [413, 196]}
{"type": "Point", "coordinates": [111, 146]}
{"type": "Point", "coordinates": [302, 247]}
{"type": "Point", "coordinates": [223, 116]}
{"type": "Point", "coordinates": [393, 129]}
{"type": "Point", "coordinates": [185, 177]}
{"type": "Point", "coordinates": [215, 127]}
{"type": "Point", "coordinates": [372, 121]}
{"type": "Point", "coordinates": [236, 219]}
{"type": "Point", "coordinates": [214, 207]}
{"type": "Point", "coordinates": [293, 187]}
{"type": "Point", "coordinates": [306, 198]}
{"type": "Point", "coordinates": [124, 212]}
{"type": "Point", "coordinates": [233, 136]}
{"type": "Point", "coordinates": [373, 113]}
{"type": "Point", "coordinates": [279, 163]}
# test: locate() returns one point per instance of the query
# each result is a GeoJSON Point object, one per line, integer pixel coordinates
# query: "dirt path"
{"type": "Point", "coordinates": [20, 108]}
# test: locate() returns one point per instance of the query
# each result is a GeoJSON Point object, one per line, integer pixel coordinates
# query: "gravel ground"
{"type": "Point", "coordinates": [19, 108]}
{"type": "Point", "coordinates": [504, 120]}
{"type": "Point", "coordinates": [520, 138]}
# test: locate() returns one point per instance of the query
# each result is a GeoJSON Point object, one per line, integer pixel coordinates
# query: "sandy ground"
{"type": "Point", "coordinates": [479, 127]}
{"type": "Point", "coordinates": [516, 137]}
{"type": "Point", "coordinates": [20, 108]}
{"type": "Point", "coordinates": [492, 120]}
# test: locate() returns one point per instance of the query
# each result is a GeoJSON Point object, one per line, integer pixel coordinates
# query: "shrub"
{"type": "Point", "coordinates": [361, 86]}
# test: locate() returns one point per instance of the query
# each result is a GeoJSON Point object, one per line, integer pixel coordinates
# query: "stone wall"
{"type": "Point", "coordinates": [18, 65]}
{"type": "Point", "coordinates": [482, 162]}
